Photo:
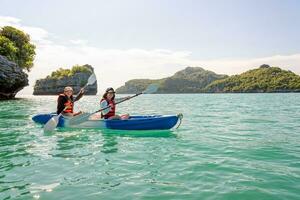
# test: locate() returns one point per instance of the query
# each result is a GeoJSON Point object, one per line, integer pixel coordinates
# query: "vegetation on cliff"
{"type": "Point", "coordinates": [16, 46]}
{"type": "Point", "coordinates": [135, 86]}
{"type": "Point", "coordinates": [16, 54]}
{"type": "Point", "coordinates": [198, 80]}
{"type": "Point", "coordinates": [189, 80]}
{"type": "Point", "coordinates": [263, 79]}
{"type": "Point", "coordinates": [75, 77]}
{"type": "Point", "coordinates": [62, 73]}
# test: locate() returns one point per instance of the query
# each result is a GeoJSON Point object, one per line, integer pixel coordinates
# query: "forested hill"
{"type": "Point", "coordinates": [198, 80]}
{"type": "Point", "coordinates": [189, 80]}
{"type": "Point", "coordinates": [263, 79]}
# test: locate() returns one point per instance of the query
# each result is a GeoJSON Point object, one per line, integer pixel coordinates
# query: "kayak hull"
{"type": "Point", "coordinates": [44, 118]}
{"type": "Point", "coordinates": [136, 122]}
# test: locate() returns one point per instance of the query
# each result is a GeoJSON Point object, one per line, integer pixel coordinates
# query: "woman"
{"type": "Point", "coordinates": [108, 99]}
{"type": "Point", "coordinates": [65, 102]}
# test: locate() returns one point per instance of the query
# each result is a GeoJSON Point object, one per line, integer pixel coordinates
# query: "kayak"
{"type": "Point", "coordinates": [135, 122]}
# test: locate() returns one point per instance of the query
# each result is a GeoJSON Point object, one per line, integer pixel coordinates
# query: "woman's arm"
{"type": "Point", "coordinates": [79, 95]}
{"type": "Point", "coordinates": [104, 104]}
{"type": "Point", "coordinates": [60, 104]}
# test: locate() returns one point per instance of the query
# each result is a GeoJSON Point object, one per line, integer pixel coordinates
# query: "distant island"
{"type": "Point", "coordinates": [263, 79]}
{"type": "Point", "coordinates": [75, 77]}
{"type": "Point", "coordinates": [197, 80]}
{"type": "Point", "coordinates": [189, 80]}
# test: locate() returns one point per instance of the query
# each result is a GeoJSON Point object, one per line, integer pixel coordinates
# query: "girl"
{"type": "Point", "coordinates": [65, 102]}
{"type": "Point", "coordinates": [108, 99]}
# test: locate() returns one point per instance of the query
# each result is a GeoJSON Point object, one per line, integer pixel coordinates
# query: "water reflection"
{"type": "Point", "coordinates": [77, 142]}
{"type": "Point", "coordinates": [110, 137]}
{"type": "Point", "coordinates": [72, 144]}
{"type": "Point", "coordinates": [140, 133]}
{"type": "Point", "coordinates": [109, 144]}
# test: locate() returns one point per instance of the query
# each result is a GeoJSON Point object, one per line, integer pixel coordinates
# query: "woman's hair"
{"type": "Point", "coordinates": [68, 88]}
{"type": "Point", "coordinates": [106, 92]}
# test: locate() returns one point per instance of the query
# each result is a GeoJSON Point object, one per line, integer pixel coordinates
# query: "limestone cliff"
{"type": "Point", "coordinates": [55, 85]}
{"type": "Point", "coordinates": [12, 78]}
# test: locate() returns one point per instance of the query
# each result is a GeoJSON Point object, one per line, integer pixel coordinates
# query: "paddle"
{"type": "Point", "coordinates": [92, 79]}
{"type": "Point", "coordinates": [149, 90]}
{"type": "Point", "coordinates": [52, 123]}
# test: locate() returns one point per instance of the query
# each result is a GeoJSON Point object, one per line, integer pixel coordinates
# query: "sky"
{"type": "Point", "coordinates": [128, 39]}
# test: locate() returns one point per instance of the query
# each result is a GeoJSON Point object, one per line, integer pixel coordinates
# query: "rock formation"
{"type": "Point", "coordinates": [55, 86]}
{"type": "Point", "coordinates": [188, 80]}
{"type": "Point", "coordinates": [12, 78]}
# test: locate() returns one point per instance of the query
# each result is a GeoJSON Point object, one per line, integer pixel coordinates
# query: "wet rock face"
{"type": "Point", "coordinates": [52, 86]}
{"type": "Point", "coordinates": [12, 79]}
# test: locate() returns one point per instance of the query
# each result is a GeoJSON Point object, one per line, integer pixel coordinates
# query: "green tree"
{"type": "Point", "coordinates": [80, 69]}
{"type": "Point", "coordinates": [61, 73]}
{"type": "Point", "coordinates": [19, 49]}
{"type": "Point", "coordinates": [7, 48]}
{"type": "Point", "coordinates": [263, 79]}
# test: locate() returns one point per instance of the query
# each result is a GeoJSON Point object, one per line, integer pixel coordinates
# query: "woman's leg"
{"type": "Point", "coordinates": [96, 117]}
{"type": "Point", "coordinates": [68, 114]}
{"type": "Point", "coordinates": [125, 116]}
{"type": "Point", "coordinates": [115, 117]}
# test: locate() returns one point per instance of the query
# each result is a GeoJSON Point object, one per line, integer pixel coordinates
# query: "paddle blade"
{"type": "Point", "coordinates": [79, 119]}
{"type": "Point", "coordinates": [51, 124]}
{"type": "Point", "coordinates": [92, 79]}
{"type": "Point", "coordinates": [152, 88]}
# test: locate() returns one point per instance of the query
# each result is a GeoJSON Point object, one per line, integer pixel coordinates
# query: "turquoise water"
{"type": "Point", "coordinates": [229, 146]}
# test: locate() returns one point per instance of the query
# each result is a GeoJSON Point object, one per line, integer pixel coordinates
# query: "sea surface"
{"type": "Point", "coordinates": [229, 146]}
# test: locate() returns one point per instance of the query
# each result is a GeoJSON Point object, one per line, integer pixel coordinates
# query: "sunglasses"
{"type": "Point", "coordinates": [111, 92]}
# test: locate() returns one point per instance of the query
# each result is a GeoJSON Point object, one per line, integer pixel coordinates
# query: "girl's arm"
{"type": "Point", "coordinates": [104, 104]}
{"type": "Point", "coordinates": [79, 95]}
{"type": "Point", "coordinates": [60, 105]}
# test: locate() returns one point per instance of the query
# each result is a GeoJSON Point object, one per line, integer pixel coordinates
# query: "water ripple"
{"type": "Point", "coordinates": [230, 146]}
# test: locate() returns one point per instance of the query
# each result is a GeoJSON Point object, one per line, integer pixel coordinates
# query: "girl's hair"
{"type": "Point", "coordinates": [106, 92]}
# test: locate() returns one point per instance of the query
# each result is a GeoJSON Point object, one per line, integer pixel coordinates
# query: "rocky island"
{"type": "Point", "coordinates": [264, 79]}
{"type": "Point", "coordinates": [76, 77]}
{"type": "Point", "coordinates": [188, 80]}
{"type": "Point", "coordinates": [197, 80]}
{"type": "Point", "coordinates": [16, 56]}
{"type": "Point", "coordinates": [12, 78]}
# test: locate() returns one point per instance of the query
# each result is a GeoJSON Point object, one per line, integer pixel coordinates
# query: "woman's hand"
{"type": "Point", "coordinates": [82, 91]}
{"type": "Point", "coordinates": [68, 107]}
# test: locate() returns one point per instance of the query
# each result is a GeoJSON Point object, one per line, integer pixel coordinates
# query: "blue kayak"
{"type": "Point", "coordinates": [135, 122]}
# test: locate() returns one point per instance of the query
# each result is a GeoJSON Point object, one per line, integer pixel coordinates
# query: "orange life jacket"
{"type": "Point", "coordinates": [112, 111]}
{"type": "Point", "coordinates": [68, 104]}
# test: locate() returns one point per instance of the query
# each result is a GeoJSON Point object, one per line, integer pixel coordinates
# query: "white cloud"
{"type": "Point", "coordinates": [236, 66]}
{"type": "Point", "coordinates": [79, 42]}
{"type": "Point", "coordinates": [38, 35]}
{"type": "Point", "coordinates": [4, 21]}
{"type": "Point", "coordinates": [114, 67]}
